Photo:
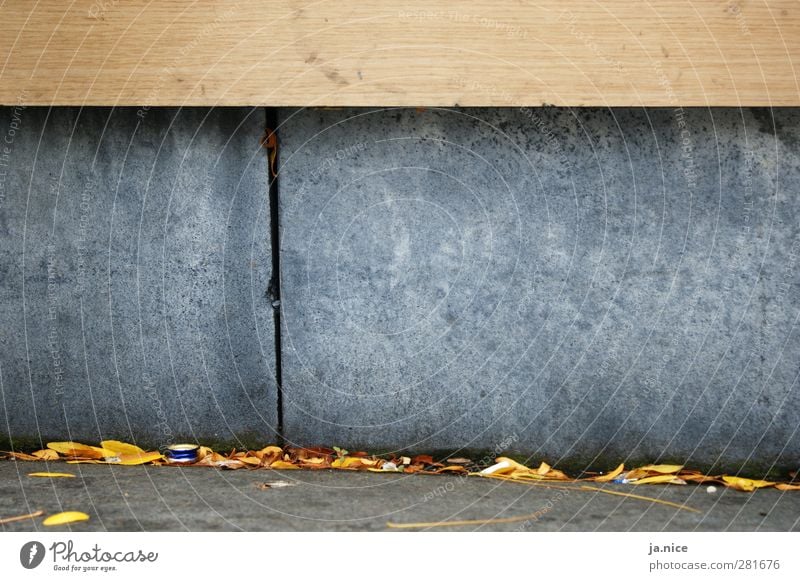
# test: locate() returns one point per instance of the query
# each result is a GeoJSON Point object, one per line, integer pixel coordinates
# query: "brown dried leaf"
{"type": "Point", "coordinates": [21, 456]}
{"type": "Point", "coordinates": [456, 469]}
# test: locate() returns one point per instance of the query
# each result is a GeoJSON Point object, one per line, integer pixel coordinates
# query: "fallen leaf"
{"type": "Point", "coordinates": [52, 474]}
{"type": "Point", "coordinates": [459, 461]}
{"type": "Point", "coordinates": [661, 468]}
{"type": "Point", "coordinates": [652, 470]}
{"type": "Point", "coordinates": [76, 450]}
{"type": "Point", "coordinates": [119, 448]}
{"type": "Point", "coordinates": [422, 459]}
{"type": "Point", "coordinates": [450, 469]}
{"type": "Point", "coordinates": [660, 479]}
{"type": "Point", "coordinates": [697, 477]}
{"type": "Point", "coordinates": [785, 486]}
{"type": "Point", "coordinates": [250, 461]}
{"type": "Point", "coordinates": [204, 451]}
{"type": "Point", "coordinates": [46, 454]}
{"type": "Point", "coordinates": [745, 484]}
{"type": "Point", "coordinates": [282, 465]}
{"type": "Point", "coordinates": [504, 466]}
{"type": "Point", "coordinates": [138, 458]}
{"type": "Point", "coordinates": [611, 475]}
{"type": "Point", "coordinates": [348, 463]}
{"type": "Point", "coordinates": [64, 518]}
{"type": "Point", "coordinates": [21, 456]}
{"type": "Point", "coordinates": [274, 484]}
{"type": "Point", "coordinates": [270, 451]}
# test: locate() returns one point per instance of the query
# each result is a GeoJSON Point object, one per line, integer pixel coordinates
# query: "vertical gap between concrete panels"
{"type": "Point", "coordinates": [274, 289]}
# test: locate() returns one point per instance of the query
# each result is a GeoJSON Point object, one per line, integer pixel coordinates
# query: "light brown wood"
{"type": "Point", "coordinates": [370, 52]}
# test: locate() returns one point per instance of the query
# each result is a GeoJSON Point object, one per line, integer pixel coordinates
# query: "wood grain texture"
{"type": "Point", "coordinates": [370, 52]}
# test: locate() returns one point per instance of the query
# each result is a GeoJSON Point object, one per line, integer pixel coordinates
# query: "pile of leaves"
{"type": "Point", "coordinates": [318, 458]}
{"type": "Point", "coordinates": [274, 457]}
{"type": "Point", "coordinates": [508, 469]}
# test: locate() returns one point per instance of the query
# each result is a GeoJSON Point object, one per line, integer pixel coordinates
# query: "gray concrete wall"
{"type": "Point", "coordinates": [134, 256]}
{"type": "Point", "coordinates": [588, 286]}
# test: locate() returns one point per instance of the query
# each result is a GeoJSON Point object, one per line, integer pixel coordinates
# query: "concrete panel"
{"type": "Point", "coordinates": [135, 255]}
{"type": "Point", "coordinates": [590, 286]}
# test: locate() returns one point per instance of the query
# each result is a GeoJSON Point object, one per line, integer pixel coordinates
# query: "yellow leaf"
{"type": "Point", "coordinates": [282, 465]}
{"type": "Point", "coordinates": [64, 518]}
{"type": "Point", "coordinates": [270, 450]}
{"type": "Point", "coordinates": [46, 454]}
{"type": "Point", "coordinates": [611, 475]}
{"type": "Point", "coordinates": [787, 486]}
{"type": "Point", "coordinates": [745, 484]}
{"type": "Point", "coordinates": [249, 460]}
{"type": "Point", "coordinates": [52, 474]}
{"type": "Point", "coordinates": [138, 458]}
{"type": "Point", "coordinates": [544, 468]}
{"type": "Point", "coordinates": [347, 462]}
{"type": "Point", "coordinates": [660, 479]}
{"type": "Point", "coordinates": [204, 451]}
{"type": "Point", "coordinates": [79, 450]}
{"type": "Point", "coordinates": [119, 448]}
{"type": "Point", "coordinates": [661, 468]}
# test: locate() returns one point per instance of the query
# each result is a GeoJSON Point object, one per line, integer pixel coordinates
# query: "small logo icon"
{"type": "Point", "coordinates": [31, 554]}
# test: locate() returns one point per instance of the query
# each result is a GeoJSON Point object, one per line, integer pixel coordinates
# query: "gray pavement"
{"type": "Point", "coordinates": [153, 498]}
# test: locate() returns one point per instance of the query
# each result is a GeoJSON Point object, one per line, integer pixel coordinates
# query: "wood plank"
{"type": "Point", "coordinates": [371, 52]}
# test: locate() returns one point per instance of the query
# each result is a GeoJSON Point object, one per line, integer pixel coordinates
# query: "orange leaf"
{"type": "Point", "coordinates": [46, 454]}
{"type": "Point", "coordinates": [22, 456]}
{"type": "Point", "coordinates": [458, 469]}
{"type": "Point", "coordinates": [785, 486]}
